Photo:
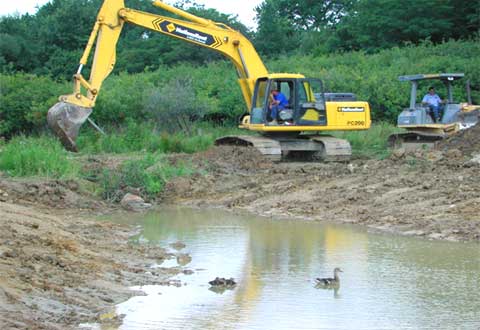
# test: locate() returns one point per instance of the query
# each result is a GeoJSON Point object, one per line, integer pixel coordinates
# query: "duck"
{"type": "Point", "coordinates": [226, 282]}
{"type": "Point", "coordinates": [335, 281]}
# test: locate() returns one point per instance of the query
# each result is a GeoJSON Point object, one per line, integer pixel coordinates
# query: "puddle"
{"type": "Point", "coordinates": [388, 282]}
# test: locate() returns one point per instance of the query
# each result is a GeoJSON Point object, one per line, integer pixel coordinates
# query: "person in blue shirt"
{"type": "Point", "coordinates": [278, 101]}
{"type": "Point", "coordinates": [434, 102]}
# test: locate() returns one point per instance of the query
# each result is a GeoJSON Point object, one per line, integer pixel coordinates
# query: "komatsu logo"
{"type": "Point", "coordinates": [171, 27]}
{"type": "Point", "coordinates": [186, 33]}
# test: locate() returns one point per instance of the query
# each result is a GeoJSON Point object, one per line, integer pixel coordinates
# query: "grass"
{"type": "Point", "coordinates": [43, 156]}
{"type": "Point", "coordinates": [136, 137]}
{"type": "Point", "coordinates": [371, 143]}
{"type": "Point", "coordinates": [37, 156]}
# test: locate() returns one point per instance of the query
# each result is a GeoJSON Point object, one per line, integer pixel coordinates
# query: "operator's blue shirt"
{"type": "Point", "coordinates": [434, 99]}
{"type": "Point", "coordinates": [282, 100]}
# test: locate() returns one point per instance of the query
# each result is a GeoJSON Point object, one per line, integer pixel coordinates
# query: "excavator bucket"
{"type": "Point", "coordinates": [65, 120]}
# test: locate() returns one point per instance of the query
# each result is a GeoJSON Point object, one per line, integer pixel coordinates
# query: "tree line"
{"type": "Point", "coordinates": [51, 41]}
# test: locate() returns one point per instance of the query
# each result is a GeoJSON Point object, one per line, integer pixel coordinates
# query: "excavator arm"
{"type": "Point", "coordinates": [66, 117]}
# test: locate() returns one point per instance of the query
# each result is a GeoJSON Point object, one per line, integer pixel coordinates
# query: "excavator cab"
{"type": "Point", "coordinates": [309, 107]}
{"type": "Point", "coordinates": [306, 106]}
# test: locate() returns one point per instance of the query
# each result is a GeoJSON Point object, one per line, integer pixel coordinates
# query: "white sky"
{"type": "Point", "coordinates": [244, 8]}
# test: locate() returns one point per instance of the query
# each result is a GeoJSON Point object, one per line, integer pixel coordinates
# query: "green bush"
{"type": "Point", "coordinates": [147, 175]}
{"type": "Point", "coordinates": [175, 106]}
{"type": "Point", "coordinates": [37, 156]}
{"type": "Point", "coordinates": [122, 98]}
{"type": "Point", "coordinates": [24, 102]}
{"type": "Point", "coordinates": [374, 78]}
{"type": "Point", "coordinates": [25, 99]}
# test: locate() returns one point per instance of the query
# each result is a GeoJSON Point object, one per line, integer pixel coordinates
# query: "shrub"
{"type": "Point", "coordinates": [136, 137]}
{"type": "Point", "coordinates": [147, 175]}
{"type": "Point", "coordinates": [175, 106]}
{"type": "Point", "coordinates": [24, 102]}
{"type": "Point", "coordinates": [212, 92]}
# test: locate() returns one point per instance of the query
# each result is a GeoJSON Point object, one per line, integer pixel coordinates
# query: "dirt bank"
{"type": "Point", "coordinates": [58, 268]}
{"type": "Point", "coordinates": [432, 194]}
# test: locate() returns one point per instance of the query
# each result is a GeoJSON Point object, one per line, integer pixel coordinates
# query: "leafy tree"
{"type": "Point", "coordinates": [276, 34]}
{"type": "Point", "coordinates": [374, 24]}
{"type": "Point", "coordinates": [465, 18]}
{"type": "Point", "coordinates": [51, 41]}
{"type": "Point", "coordinates": [311, 15]}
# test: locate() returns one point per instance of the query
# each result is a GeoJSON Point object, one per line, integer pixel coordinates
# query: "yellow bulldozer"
{"type": "Point", "coordinates": [422, 129]}
{"type": "Point", "coordinates": [293, 130]}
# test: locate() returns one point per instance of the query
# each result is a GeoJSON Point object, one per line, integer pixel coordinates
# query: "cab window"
{"type": "Point", "coordinates": [261, 94]}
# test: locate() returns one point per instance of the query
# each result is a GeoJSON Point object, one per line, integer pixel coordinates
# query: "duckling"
{"type": "Point", "coordinates": [330, 281]}
{"type": "Point", "coordinates": [227, 282]}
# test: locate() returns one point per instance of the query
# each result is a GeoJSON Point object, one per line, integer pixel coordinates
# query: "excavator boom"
{"type": "Point", "coordinates": [67, 116]}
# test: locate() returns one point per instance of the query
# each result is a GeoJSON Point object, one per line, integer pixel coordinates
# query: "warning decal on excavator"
{"type": "Point", "coordinates": [186, 33]}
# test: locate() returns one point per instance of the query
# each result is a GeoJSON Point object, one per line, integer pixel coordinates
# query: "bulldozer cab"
{"type": "Point", "coordinates": [446, 78]}
{"type": "Point", "coordinates": [421, 130]}
{"type": "Point", "coordinates": [420, 114]}
{"type": "Point", "coordinates": [306, 104]}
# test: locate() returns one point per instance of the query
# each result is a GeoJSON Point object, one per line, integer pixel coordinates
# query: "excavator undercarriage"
{"type": "Point", "coordinates": [307, 147]}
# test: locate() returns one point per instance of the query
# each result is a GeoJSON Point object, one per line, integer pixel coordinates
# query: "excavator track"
{"type": "Point", "coordinates": [411, 141]}
{"type": "Point", "coordinates": [312, 147]}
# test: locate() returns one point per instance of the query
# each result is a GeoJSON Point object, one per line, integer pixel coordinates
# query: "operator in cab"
{"type": "Point", "coordinates": [434, 102]}
{"type": "Point", "coordinates": [278, 101]}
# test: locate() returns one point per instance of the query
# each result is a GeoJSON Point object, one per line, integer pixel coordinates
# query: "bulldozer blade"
{"type": "Point", "coordinates": [65, 120]}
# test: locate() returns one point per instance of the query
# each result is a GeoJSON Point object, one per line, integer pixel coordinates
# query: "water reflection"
{"type": "Point", "coordinates": [388, 282]}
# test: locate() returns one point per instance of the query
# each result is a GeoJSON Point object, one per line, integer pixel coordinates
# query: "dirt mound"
{"type": "Point", "coordinates": [55, 193]}
{"type": "Point", "coordinates": [58, 270]}
{"type": "Point", "coordinates": [231, 159]}
{"type": "Point", "coordinates": [467, 141]}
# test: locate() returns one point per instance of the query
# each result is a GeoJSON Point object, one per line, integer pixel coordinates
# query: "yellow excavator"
{"type": "Point", "coordinates": [293, 131]}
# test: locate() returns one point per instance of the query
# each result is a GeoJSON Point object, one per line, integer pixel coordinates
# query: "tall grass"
{"type": "Point", "coordinates": [37, 156]}
{"type": "Point", "coordinates": [371, 143]}
{"type": "Point", "coordinates": [44, 157]}
{"type": "Point", "coordinates": [137, 137]}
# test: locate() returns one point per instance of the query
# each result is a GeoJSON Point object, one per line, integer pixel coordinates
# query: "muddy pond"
{"type": "Point", "coordinates": [388, 282]}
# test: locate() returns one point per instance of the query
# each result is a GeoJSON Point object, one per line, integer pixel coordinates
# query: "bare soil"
{"type": "Point", "coordinates": [59, 268]}
{"type": "Point", "coordinates": [467, 141]}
